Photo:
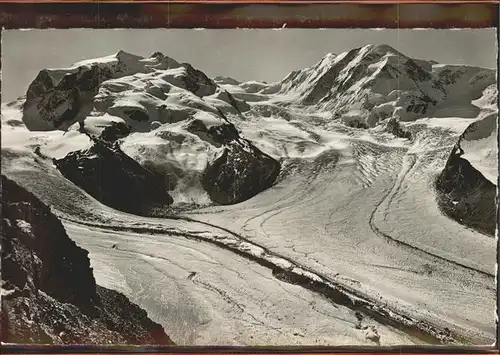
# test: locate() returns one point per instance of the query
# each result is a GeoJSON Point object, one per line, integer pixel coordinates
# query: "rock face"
{"type": "Point", "coordinates": [466, 195]}
{"type": "Point", "coordinates": [49, 294]}
{"type": "Point", "coordinates": [115, 131]}
{"type": "Point", "coordinates": [217, 135]}
{"type": "Point", "coordinates": [51, 104]}
{"type": "Point", "coordinates": [115, 179]}
{"type": "Point", "coordinates": [241, 172]}
{"type": "Point", "coordinates": [394, 127]}
{"type": "Point", "coordinates": [197, 82]}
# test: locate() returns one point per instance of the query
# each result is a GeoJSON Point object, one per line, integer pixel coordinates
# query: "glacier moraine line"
{"type": "Point", "coordinates": [302, 276]}
{"type": "Point", "coordinates": [389, 195]}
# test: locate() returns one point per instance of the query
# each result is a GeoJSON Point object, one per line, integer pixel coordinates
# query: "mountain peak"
{"type": "Point", "coordinates": [121, 55]}
{"type": "Point", "coordinates": [329, 56]}
{"type": "Point", "coordinates": [226, 80]}
{"type": "Point", "coordinates": [158, 55]}
{"type": "Point", "coordinates": [381, 49]}
{"type": "Point", "coordinates": [328, 59]}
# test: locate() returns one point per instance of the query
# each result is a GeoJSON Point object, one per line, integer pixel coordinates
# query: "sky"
{"type": "Point", "coordinates": [244, 54]}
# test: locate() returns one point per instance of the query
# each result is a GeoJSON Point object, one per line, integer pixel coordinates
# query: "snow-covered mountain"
{"type": "Point", "coordinates": [372, 83]}
{"type": "Point", "coordinates": [143, 92]}
{"type": "Point", "coordinates": [362, 182]}
{"type": "Point", "coordinates": [170, 117]}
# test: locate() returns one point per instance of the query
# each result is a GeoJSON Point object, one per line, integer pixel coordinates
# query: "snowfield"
{"type": "Point", "coordinates": [349, 245]}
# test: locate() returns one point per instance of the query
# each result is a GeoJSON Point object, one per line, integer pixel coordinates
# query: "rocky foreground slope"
{"type": "Point", "coordinates": [49, 294]}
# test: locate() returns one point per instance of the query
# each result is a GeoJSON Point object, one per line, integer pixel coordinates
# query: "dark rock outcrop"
{"type": "Point", "coordinates": [197, 82]}
{"type": "Point", "coordinates": [115, 131]}
{"type": "Point", "coordinates": [241, 172]}
{"type": "Point", "coordinates": [49, 294]}
{"type": "Point", "coordinates": [394, 127]}
{"type": "Point", "coordinates": [54, 104]}
{"type": "Point", "coordinates": [216, 135]}
{"type": "Point", "coordinates": [415, 72]}
{"type": "Point", "coordinates": [137, 115]}
{"type": "Point", "coordinates": [420, 104]}
{"type": "Point", "coordinates": [37, 232]}
{"type": "Point", "coordinates": [465, 195]}
{"type": "Point", "coordinates": [105, 172]}
{"type": "Point", "coordinates": [357, 124]}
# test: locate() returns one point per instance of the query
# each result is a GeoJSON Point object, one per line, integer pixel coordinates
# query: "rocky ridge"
{"type": "Point", "coordinates": [49, 294]}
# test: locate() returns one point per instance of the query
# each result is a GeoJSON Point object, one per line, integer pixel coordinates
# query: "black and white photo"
{"type": "Point", "coordinates": [249, 187]}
